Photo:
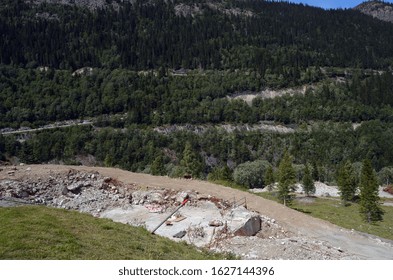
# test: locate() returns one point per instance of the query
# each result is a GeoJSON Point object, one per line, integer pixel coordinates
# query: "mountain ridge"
{"type": "Point", "coordinates": [377, 9]}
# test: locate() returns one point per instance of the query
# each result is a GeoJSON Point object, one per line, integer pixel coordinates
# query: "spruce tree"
{"type": "Point", "coordinates": [347, 182]}
{"type": "Point", "coordinates": [158, 166]}
{"type": "Point", "coordinates": [287, 178]}
{"type": "Point", "coordinates": [369, 199]}
{"type": "Point", "coordinates": [109, 160]}
{"type": "Point", "coordinates": [191, 162]}
{"type": "Point", "coordinates": [308, 182]}
{"type": "Point", "coordinates": [269, 178]}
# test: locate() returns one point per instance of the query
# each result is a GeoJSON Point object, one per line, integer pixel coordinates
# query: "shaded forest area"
{"type": "Point", "coordinates": [220, 49]}
{"type": "Point", "coordinates": [33, 97]}
{"type": "Point", "coordinates": [278, 38]}
{"type": "Point", "coordinates": [324, 146]}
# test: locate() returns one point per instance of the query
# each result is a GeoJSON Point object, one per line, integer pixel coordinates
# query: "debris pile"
{"type": "Point", "coordinates": [82, 191]}
{"type": "Point", "coordinates": [92, 193]}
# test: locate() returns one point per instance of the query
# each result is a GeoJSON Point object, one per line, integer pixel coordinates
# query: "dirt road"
{"type": "Point", "coordinates": [362, 245]}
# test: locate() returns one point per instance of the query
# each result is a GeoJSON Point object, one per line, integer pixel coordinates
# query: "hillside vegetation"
{"type": "Point", "coordinates": [137, 68]}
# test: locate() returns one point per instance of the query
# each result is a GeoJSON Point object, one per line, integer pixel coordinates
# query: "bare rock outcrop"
{"type": "Point", "coordinates": [377, 9]}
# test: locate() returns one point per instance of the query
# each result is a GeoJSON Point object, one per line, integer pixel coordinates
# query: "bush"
{"type": "Point", "coordinates": [251, 174]}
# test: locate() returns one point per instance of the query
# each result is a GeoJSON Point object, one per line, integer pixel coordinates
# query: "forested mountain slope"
{"type": "Point", "coordinates": [268, 36]}
{"type": "Point", "coordinates": [133, 66]}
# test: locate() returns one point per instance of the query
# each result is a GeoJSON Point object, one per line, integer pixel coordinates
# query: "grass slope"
{"type": "Point", "coordinates": [37, 232]}
{"type": "Point", "coordinates": [348, 217]}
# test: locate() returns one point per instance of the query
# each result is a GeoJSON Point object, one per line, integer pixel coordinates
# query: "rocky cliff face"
{"type": "Point", "coordinates": [377, 9]}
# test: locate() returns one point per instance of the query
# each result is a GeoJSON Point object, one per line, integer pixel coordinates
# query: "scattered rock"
{"type": "Point", "coordinates": [180, 197]}
{"type": "Point", "coordinates": [75, 187]}
{"type": "Point", "coordinates": [216, 223]}
{"type": "Point", "coordinates": [180, 234]}
{"type": "Point", "coordinates": [156, 197]}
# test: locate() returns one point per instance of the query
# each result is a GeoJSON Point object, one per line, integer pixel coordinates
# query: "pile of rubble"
{"type": "Point", "coordinates": [136, 205]}
{"type": "Point", "coordinates": [85, 192]}
{"type": "Point", "coordinates": [90, 192]}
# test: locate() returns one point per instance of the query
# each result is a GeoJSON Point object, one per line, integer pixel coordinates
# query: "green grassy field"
{"type": "Point", "coordinates": [332, 210]}
{"type": "Point", "coordinates": [37, 232]}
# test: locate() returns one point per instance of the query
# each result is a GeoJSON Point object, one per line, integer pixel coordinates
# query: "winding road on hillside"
{"type": "Point", "coordinates": [362, 245]}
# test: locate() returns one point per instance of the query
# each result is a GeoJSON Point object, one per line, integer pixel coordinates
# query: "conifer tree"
{"type": "Point", "coordinates": [108, 161]}
{"type": "Point", "coordinates": [369, 199]}
{"type": "Point", "coordinates": [191, 162]}
{"type": "Point", "coordinates": [308, 182]}
{"type": "Point", "coordinates": [347, 182]}
{"type": "Point", "coordinates": [158, 166]}
{"type": "Point", "coordinates": [269, 177]}
{"type": "Point", "coordinates": [287, 178]}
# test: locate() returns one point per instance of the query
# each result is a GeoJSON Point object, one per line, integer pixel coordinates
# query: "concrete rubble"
{"type": "Point", "coordinates": [204, 221]}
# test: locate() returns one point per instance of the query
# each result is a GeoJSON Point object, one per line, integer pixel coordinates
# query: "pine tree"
{"type": "Point", "coordinates": [191, 162]}
{"type": "Point", "coordinates": [158, 166]}
{"type": "Point", "coordinates": [347, 182]}
{"type": "Point", "coordinates": [109, 160]}
{"type": "Point", "coordinates": [369, 199]}
{"type": "Point", "coordinates": [308, 182]}
{"type": "Point", "coordinates": [269, 178]}
{"type": "Point", "coordinates": [287, 178]}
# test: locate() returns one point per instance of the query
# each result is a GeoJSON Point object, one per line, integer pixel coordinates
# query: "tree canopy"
{"type": "Point", "coordinates": [286, 178]}
{"type": "Point", "coordinates": [369, 198]}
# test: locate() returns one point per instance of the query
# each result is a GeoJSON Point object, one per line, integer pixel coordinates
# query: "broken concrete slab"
{"type": "Point", "coordinates": [243, 222]}
{"type": "Point", "coordinates": [250, 228]}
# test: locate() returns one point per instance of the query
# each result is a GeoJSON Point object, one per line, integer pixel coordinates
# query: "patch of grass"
{"type": "Point", "coordinates": [270, 195]}
{"type": "Point", "coordinates": [348, 216]}
{"type": "Point", "coordinates": [332, 210]}
{"type": "Point", "coordinates": [230, 184]}
{"type": "Point", "coordinates": [37, 232]}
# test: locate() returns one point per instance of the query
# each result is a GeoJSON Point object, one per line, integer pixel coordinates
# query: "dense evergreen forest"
{"type": "Point", "coordinates": [136, 66]}
{"type": "Point", "coordinates": [273, 37]}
